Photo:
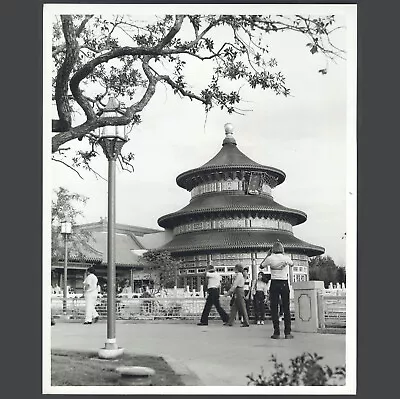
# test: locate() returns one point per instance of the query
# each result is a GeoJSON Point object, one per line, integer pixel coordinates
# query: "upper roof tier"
{"type": "Point", "coordinates": [228, 158]}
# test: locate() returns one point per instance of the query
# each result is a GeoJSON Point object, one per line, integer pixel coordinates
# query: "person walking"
{"type": "Point", "coordinates": [90, 290]}
{"type": "Point", "coordinates": [259, 293]}
{"type": "Point", "coordinates": [281, 272]}
{"type": "Point", "coordinates": [213, 288]}
{"type": "Point", "coordinates": [237, 290]}
{"type": "Point", "coordinates": [247, 291]}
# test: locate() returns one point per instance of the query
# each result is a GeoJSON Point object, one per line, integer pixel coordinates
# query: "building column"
{"type": "Point", "coordinates": [132, 283]}
{"type": "Point", "coordinates": [253, 266]}
{"type": "Point", "coordinates": [198, 284]}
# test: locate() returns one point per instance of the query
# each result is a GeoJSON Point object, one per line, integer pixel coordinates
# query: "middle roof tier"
{"type": "Point", "coordinates": [232, 204]}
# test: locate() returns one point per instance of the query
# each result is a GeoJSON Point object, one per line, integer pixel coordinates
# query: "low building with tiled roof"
{"type": "Point", "coordinates": [232, 217]}
{"type": "Point", "coordinates": [130, 241]}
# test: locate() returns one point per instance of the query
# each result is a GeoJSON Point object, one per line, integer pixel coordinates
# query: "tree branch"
{"type": "Point", "coordinates": [69, 166]}
{"type": "Point", "coordinates": [172, 33]}
{"type": "Point", "coordinates": [93, 171]}
{"type": "Point", "coordinates": [151, 89]}
{"type": "Point", "coordinates": [181, 90]}
{"type": "Point", "coordinates": [92, 124]}
{"type": "Point", "coordinates": [82, 25]}
{"type": "Point", "coordinates": [71, 55]}
{"type": "Point", "coordinates": [78, 31]}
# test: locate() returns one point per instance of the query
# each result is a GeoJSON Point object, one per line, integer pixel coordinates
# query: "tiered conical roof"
{"type": "Point", "coordinates": [228, 158]}
{"type": "Point", "coordinates": [232, 204]}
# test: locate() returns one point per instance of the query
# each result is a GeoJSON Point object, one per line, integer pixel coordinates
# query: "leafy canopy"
{"type": "Point", "coordinates": [166, 264]}
{"type": "Point", "coordinates": [324, 268]}
{"type": "Point", "coordinates": [94, 56]}
{"type": "Point", "coordinates": [65, 206]}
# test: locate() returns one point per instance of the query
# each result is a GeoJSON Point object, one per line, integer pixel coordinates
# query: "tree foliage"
{"type": "Point", "coordinates": [166, 264]}
{"type": "Point", "coordinates": [94, 56]}
{"type": "Point", "coordinates": [323, 268]}
{"type": "Point", "coordinates": [65, 207]}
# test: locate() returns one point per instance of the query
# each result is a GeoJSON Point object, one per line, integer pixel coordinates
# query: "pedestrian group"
{"type": "Point", "coordinates": [272, 288]}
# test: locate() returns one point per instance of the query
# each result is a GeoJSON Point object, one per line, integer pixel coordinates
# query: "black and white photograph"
{"type": "Point", "coordinates": [199, 199]}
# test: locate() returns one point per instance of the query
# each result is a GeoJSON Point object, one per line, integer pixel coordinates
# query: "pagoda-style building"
{"type": "Point", "coordinates": [233, 218]}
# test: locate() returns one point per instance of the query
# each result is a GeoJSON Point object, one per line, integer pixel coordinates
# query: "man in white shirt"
{"type": "Point", "coordinates": [90, 289]}
{"type": "Point", "coordinates": [281, 271]}
{"type": "Point", "coordinates": [237, 290]}
{"type": "Point", "coordinates": [213, 288]}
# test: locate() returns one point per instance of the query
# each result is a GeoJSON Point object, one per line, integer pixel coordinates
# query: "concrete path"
{"type": "Point", "coordinates": [218, 355]}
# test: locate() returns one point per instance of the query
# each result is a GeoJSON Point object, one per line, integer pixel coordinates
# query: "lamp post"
{"type": "Point", "coordinates": [111, 139]}
{"type": "Point", "coordinates": [66, 229]}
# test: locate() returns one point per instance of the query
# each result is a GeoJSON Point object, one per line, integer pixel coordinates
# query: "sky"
{"type": "Point", "coordinates": [305, 135]}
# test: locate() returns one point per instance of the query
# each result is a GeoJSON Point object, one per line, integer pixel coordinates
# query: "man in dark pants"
{"type": "Point", "coordinates": [281, 271]}
{"type": "Point", "coordinates": [213, 287]}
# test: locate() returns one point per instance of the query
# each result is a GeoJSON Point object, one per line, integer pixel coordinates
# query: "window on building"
{"type": "Point", "coordinates": [191, 271]}
{"type": "Point", "coordinates": [192, 283]}
{"type": "Point", "coordinates": [201, 270]}
{"type": "Point", "coordinates": [220, 269]}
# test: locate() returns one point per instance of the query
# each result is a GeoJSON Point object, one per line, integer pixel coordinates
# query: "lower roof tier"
{"type": "Point", "coordinates": [238, 239]}
{"type": "Point", "coordinates": [223, 202]}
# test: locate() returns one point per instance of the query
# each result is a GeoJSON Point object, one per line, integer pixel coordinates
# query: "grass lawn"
{"type": "Point", "coordinates": [85, 368]}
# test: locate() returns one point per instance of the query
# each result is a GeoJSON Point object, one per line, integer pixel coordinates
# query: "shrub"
{"type": "Point", "coordinates": [303, 370]}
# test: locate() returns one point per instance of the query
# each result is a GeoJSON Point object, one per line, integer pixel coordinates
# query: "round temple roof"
{"type": "Point", "coordinates": [238, 239]}
{"type": "Point", "coordinates": [229, 158]}
{"type": "Point", "coordinates": [220, 202]}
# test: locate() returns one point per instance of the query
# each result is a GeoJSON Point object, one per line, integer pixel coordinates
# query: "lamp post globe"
{"type": "Point", "coordinates": [111, 139]}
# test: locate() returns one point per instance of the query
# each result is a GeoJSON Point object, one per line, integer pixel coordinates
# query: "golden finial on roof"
{"type": "Point", "coordinates": [229, 139]}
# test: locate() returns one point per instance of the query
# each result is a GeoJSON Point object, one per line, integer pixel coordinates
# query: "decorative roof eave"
{"type": "Point", "coordinates": [185, 179]}
{"type": "Point", "coordinates": [238, 239]}
{"type": "Point", "coordinates": [80, 259]}
{"type": "Point", "coordinates": [311, 250]}
{"type": "Point", "coordinates": [80, 264]}
{"type": "Point", "coordinates": [131, 265]}
{"type": "Point", "coordinates": [135, 240]}
{"type": "Point", "coordinates": [168, 221]}
{"type": "Point", "coordinates": [119, 227]}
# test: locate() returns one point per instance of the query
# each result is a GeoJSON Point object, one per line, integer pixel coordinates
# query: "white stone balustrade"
{"type": "Point", "coordinates": [306, 305]}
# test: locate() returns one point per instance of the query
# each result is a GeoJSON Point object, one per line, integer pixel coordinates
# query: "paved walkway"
{"type": "Point", "coordinates": [218, 355]}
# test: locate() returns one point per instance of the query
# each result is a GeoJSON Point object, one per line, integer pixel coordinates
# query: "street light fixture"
{"type": "Point", "coordinates": [66, 230]}
{"type": "Point", "coordinates": [111, 140]}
